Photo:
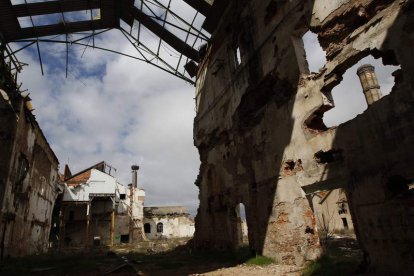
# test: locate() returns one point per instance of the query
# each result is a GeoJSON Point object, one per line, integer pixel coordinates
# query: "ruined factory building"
{"type": "Point", "coordinates": [261, 137]}
{"type": "Point", "coordinates": [167, 222]}
{"type": "Point", "coordinates": [96, 209]}
{"type": "Point", "coordinates": [259, 124]}
{"type": "Point", "coordinates": [28, 177]}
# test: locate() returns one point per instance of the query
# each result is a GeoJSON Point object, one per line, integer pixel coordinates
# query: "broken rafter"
{"type": "Point", "coordinates": [57, 29]}
{"type": "Point", "coordinates": [164, 34]}
{"type": "Point", "coordinates": [199, 5]}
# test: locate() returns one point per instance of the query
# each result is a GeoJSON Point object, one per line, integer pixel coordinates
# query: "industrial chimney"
{"type": "Point", "coordinates": [369, 82]}
{"type": "Point", "coordinates": [135, 169]}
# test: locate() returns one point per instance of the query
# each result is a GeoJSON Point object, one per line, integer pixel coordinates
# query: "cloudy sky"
{"type": "Point", "coordinates": [123, 111]}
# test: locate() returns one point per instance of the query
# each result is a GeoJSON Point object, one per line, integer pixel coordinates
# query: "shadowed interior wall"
{"type": "Point", "coordinates": [262, 141]}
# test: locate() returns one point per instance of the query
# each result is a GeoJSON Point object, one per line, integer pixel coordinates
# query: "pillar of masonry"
{"type": "Point", "coordinates": [369, 82]}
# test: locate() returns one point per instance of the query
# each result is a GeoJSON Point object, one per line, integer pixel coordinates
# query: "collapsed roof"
{"type": "Point", "coordinates": [177, 26]}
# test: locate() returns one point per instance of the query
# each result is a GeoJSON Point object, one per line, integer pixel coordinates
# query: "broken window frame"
{"type": "Point", "coordinates": [160, 227]}
{"type": "Point", "coordinates": [342, 208]}
{"type": "Point", "coordinates": [21, 171]}
{"type": "Point", "coordinates": [147, 228]}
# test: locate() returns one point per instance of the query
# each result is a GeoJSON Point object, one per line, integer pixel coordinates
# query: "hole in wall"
{"type": "Point", "coordinates": [242, 225]}
{"type": "Point", "coordinates": [237, 56]}
{"type": "Point", "coordinates": [315, 55]}
{"type": "Point", "coordinates": [348, 96]}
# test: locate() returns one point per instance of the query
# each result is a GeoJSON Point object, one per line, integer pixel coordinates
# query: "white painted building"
{"type": "Point", "coordinates": [167, 222]}
{"type": "Point", "coordinates": [96, 209]}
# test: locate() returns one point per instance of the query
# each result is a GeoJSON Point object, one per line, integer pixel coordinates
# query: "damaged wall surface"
{"type": "Point", "coordinates": [262, 141]}
{"type": "Point", "coordinates": [28, 175]}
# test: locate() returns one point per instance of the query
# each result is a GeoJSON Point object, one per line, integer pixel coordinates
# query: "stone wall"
{"type": "Point", "coordinates": [262, 141]}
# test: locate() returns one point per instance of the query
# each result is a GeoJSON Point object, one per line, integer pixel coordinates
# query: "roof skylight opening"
{"type": "Point", "coordinates": [39, 20]}
{"type": "Point", "coordinates": [18, 2]}
{"type": "Point", "coordinates": [84, 15]}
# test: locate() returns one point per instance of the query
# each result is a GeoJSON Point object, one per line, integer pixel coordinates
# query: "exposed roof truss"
{"type": "Point", "coordinates": [29, 23]}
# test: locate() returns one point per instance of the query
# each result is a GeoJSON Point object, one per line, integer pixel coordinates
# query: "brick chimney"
{"type": "Point", "coordinates": [369, 82]}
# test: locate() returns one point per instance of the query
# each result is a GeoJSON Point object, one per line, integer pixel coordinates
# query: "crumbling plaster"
{"type": "Point", "coordinates": [258, 147]}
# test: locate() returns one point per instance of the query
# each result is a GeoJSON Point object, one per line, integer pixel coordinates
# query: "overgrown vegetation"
{"type": "Point", "coordinates": [260, 261]}
{"type": "Point", "coordinates": [341, 257]}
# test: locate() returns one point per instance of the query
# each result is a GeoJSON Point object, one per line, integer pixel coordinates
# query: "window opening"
{"type": "Point", "coordinates": [237, 55]}
{"type": "Point", "coordinates": [160, 227]}
{"type": "Point", "coordinates": [345, 223]}
{"type": "Point", "coordinates": [122, 196]}
{"type": "Point", "coordinates": [147, 228]}
{"type": "Point", "coordinates": [22, 169]}
{"type": "Point", "coordinates": [242, 228]}
{"type": "Point", "coordinates": [71, 215]}
{"type": "Point", "coordinates": [124, 238]}
{"type": "Point", "coordinates": [97, 240]}
{"type": "Point", "coordinates": [342, 209]}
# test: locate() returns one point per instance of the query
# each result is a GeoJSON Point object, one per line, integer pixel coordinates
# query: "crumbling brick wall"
{"type": "Point", "coordinates": [262, 141]}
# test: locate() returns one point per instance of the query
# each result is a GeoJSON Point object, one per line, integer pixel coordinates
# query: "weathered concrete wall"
{"type": "Point", "coordinates": [261, 137]}
{"type": "Point", "coordinates": [28, 179]}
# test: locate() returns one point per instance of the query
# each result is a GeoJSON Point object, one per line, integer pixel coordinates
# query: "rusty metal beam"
{"type": "Point", "coordinates": [164, 34]}
{"type": "Point", "coordinates": [61, 28]}
{"type": "Point", "coordinates": [199, 5]}
{"type": "Point", "coordinates": [40, 8]}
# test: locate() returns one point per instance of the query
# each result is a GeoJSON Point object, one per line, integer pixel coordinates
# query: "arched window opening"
{"type": "Point", "coordinates": [242, 228]}
{"type": "Point", "coordinates": [237, 56]}
{"type": "Point", "coordinates": [147, 228]}
{"type": "Point", "coordinates": [160, 227]}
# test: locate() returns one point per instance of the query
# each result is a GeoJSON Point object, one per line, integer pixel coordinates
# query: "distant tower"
{"type": "Point", "coordinates": [369, 83]}
{"type": "Point", "coordinates": [135, 169]}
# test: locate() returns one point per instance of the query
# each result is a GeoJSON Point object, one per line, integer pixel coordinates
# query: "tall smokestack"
{"type": "Point", "coordinates": [135, 169]}
{"type": "Point", "coordinates": [369, 82]}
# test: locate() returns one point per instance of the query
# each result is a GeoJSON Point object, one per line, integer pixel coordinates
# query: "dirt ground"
{"type": "Point", "coordinates": [172, 259]}
{"type": "Point", "coordinates": [254, 270]}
